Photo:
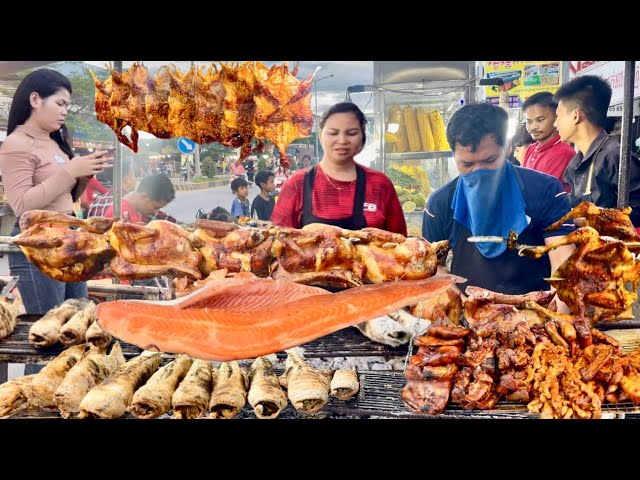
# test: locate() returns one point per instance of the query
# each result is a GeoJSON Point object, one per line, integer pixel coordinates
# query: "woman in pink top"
{"type": "Point", "coordinates": [38, 174]}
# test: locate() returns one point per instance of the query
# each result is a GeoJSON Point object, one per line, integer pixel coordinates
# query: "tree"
{"type": "Point", "coordinates": [81, 118]}
{"type": "Point", "coordinates": [208, 166]}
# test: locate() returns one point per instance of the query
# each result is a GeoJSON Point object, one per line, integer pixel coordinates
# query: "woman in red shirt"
{"type": "Point", "coordinates": [338, 191]}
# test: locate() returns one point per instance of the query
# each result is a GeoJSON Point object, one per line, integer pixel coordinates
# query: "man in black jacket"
{"type": "Point", "coordinates": [593, 173]}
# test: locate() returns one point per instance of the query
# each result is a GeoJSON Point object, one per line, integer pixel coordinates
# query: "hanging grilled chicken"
{"type": "Point", "coordinates": [283, 107]}
{"type": "Point", "coordinates": [111, 95]}
{"type": "Point", "coordinates": [156, 103]}
{"type": "Point", "coordinates": [209, 115]}
{"type": "Point", "coordinates": [182, 103]}
{"type": "Point", "coordinates": [229, 105]}
{"type": "Point", "coordinates": [239, 107]}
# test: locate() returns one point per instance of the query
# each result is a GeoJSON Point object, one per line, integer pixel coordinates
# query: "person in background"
{"type": "Point", "coordinates": [263, 204]}
{"type": "Point", "coordinates": [549, 154]}
{"type": "Point", "coordinates": [338, 191]}
{"type": "Point", "coordinates": [249, 165]}
{"type": "Point", "coordinates": [240, 207]}
{"type": "Point", "coordinates": [102, 202]}
{"type": "Point", "coordinates": [94, 186]}
{"type": "Point", "coordinates": [40, 172]}
{"type": "Point", "coordinates": [220, 214]}
{"type": "Point", "coordinates": [306, 161]}
{"type": "Point", "coordinates": [592, 173]}
{"type": "Point", "coordinates": [491, 197]}
{"type": "Point", "coordinates": [237, 169]}
{"type": "Point", "coordinates": [519, 144]}
{"type": "Point", "coordinates": [144, 204]}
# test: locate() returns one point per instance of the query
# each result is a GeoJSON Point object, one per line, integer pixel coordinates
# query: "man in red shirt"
{"type": "Point", "coordinates": [144, 204]}
{"type": "Point", "coordinates": [548, 154]}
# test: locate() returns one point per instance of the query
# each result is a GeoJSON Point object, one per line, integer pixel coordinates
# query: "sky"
{"type": "Point", "coordinates": [330, 89]}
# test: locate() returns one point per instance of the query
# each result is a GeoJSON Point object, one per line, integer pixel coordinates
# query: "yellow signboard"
{"type": "Point", "coordinates": [521, 79]}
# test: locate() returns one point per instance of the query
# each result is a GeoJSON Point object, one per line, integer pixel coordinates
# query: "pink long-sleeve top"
{"type": "Point", "coordinates": [31, 164]}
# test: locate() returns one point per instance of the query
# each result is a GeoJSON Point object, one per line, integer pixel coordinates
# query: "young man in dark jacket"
{"type": "Point", "coordinates": [593, 172]}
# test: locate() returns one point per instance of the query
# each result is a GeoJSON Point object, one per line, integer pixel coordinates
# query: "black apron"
{"type": "Point", "coordinates": [586, 196]}
{"type": "Point", "coordinates": [355, 222]}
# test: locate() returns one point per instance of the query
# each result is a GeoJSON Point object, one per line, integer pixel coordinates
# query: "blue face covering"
{"type": "Point", "coordinates": [489, 202]}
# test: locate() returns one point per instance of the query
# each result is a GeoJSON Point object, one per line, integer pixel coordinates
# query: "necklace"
{"type": "Point", "coordinates": [333, 184]}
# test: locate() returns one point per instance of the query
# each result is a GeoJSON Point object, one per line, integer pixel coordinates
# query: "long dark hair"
{"type": "Point", "coordinates": [45, 82]}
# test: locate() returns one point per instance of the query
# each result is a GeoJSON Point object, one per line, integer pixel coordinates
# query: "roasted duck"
{"type": "Point", "coordinates": [317, 254]}
{"type": "Point", "coordinates": [612, 222]}
{"type": "Point", "coordinates": [158, 248]}
{"type": "Point", "coordinates": [328, 255]}
{"type": "Point", "coordinates": [63, 254]}
{"type": "Point", "coordinates": [592, 281]}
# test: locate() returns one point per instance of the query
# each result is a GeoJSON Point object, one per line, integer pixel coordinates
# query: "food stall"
{"type": "Point", "coordinates": [413, 103]}
{"type": "Point", "coordinates": [417, 373]}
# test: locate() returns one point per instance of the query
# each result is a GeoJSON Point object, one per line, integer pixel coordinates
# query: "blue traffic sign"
{"type": "Point", "coordinates": [185, 145]}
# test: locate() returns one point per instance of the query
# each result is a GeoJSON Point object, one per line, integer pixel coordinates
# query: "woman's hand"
{"type": "Point", "coordinates": [88, 165]}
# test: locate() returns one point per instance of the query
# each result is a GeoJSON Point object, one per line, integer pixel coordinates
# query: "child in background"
{"type": "Point", "coordinates": [240, 206]}
{"type": "Point", "coordinates": [262, 206]}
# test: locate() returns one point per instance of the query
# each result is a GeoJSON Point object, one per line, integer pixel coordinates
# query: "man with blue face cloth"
{"type": "Point", "coordinates": [491, 197]}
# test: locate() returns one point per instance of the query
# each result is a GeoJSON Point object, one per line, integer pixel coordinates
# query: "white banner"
{"type": "Point", "coordinates": [613, 71]}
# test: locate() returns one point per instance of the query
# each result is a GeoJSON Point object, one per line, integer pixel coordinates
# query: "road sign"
{"type": "Point", "coordinates": [185, 145]}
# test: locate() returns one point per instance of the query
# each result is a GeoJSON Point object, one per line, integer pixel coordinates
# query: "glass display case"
{"type": "Point", "coordinates": [411, 121]}
{"type": "Point", "coordinates": [417, 157]}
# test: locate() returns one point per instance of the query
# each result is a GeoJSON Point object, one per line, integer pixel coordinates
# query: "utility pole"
{"type": "Point", "coordinates": [196, 152]}
{"type": "Point", "coordinates": [117, 166]}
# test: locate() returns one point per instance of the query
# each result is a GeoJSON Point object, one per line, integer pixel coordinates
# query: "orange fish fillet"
{"type": "Point", "coordinates": [231, 333]}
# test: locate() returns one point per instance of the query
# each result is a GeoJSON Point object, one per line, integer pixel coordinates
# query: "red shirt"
{"type": "Point", "coordinates": [89, 193]}
{"type": "Point", "coordinates": [551, 158]}
{"type": "Point", "coordinates": [382, 207]}
{"type": "Point", "coordinates": [127, 209]}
